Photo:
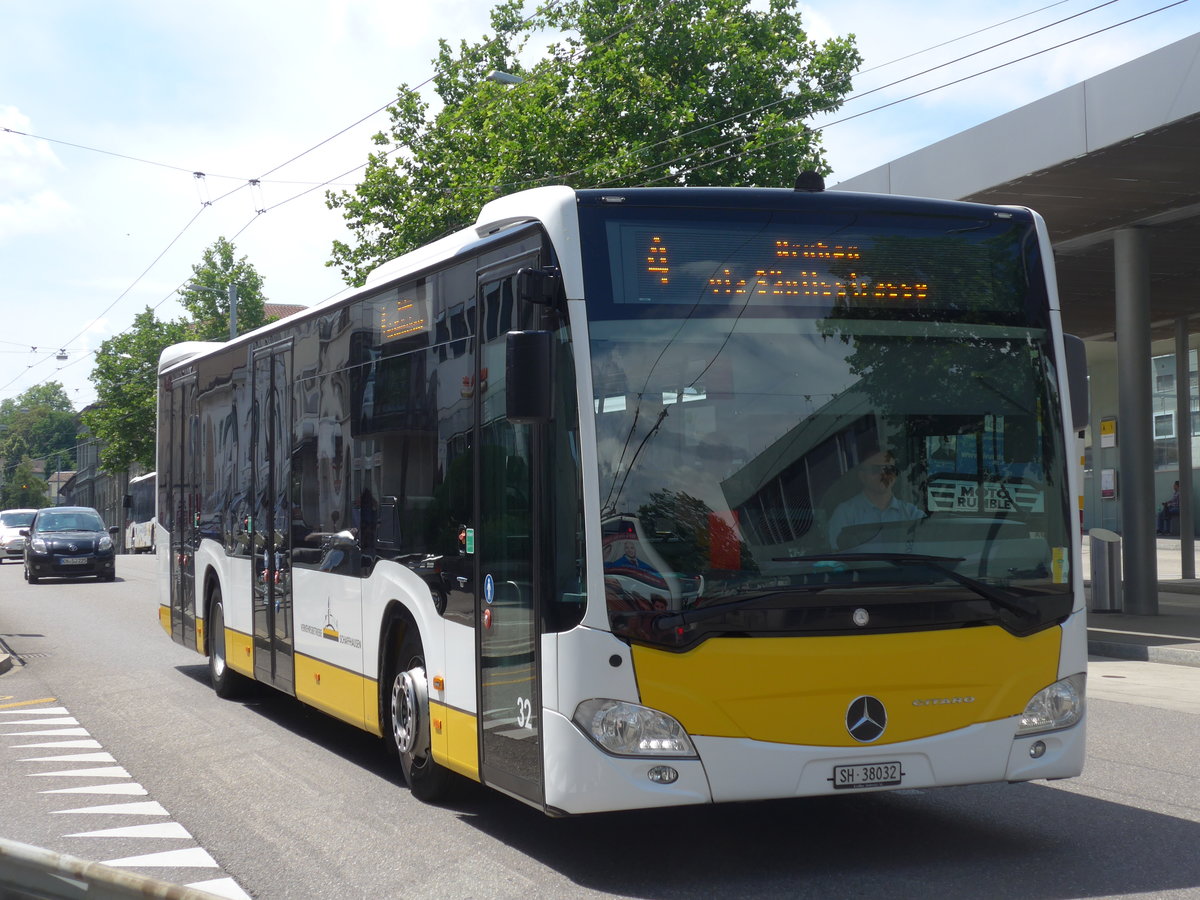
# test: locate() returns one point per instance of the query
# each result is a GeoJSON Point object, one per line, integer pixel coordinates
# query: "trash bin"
{"type": "Point", "coordinates": [1105, 548]}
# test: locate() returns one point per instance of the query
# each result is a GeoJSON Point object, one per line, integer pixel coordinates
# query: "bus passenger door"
{"type": "Point", "coordinates": [182, 493]}
{"type": "Point", "coordinates": [271, 516]}
{"type": "Point", "coordinates": [509, 601]}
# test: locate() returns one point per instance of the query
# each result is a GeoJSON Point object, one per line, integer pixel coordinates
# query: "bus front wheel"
{"type": "Point", "coordinates": [407, 727]}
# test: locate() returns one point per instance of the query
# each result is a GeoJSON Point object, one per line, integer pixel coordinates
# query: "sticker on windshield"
{"type": "Point", "coordinates": [1059, 565]}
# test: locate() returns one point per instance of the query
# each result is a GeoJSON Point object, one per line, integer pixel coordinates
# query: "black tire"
{"type": "Point", "coordinates": [406, 721]}
{"type": "Point", "coordinates": [226, 682]}
{"type": "Point", "coordinates": [29, 576]}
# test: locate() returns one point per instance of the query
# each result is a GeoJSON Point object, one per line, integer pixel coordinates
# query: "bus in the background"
{"type": "Point", "coordinates": [139, 514]}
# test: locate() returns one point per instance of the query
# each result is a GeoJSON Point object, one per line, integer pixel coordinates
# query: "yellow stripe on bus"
{"type": "Point", "coordinates": [164, 618]}
{"type": "Point", "coordinates": [333, 690]}
{"type": "Point", "coordinates": [239, 652]}
{"type": "Point", "coordinates": [455, 739]}
{"type": "Point", "coordinates": [797, 690]}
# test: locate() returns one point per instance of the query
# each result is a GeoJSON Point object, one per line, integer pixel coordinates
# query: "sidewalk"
{"type": "Point", "coordinates": [1173, 636]}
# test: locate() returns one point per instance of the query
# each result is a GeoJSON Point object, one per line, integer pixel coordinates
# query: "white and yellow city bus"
{"type": "Point", "coordinates": [139, 514]}
{"type": "Point", "coordinates": [649, 497]}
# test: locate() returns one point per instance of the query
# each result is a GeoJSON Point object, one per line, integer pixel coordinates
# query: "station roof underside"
{"type": "Point", "coordinates": [1121, 150]}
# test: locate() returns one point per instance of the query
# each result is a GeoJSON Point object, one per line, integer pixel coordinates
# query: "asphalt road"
{"type": "Point", "coordinates": [287, 803]}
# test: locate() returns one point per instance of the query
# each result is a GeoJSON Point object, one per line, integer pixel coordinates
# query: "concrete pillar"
{"type": "Point", "coordinates": [1135, 426]}
{"type": "Point", "coordinates": [1183, 432]}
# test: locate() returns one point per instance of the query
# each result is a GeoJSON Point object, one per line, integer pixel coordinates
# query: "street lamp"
{"type": "Point", "coordinates": [504, 77]}
{"type": "Point", "coordinates": [233, 302]}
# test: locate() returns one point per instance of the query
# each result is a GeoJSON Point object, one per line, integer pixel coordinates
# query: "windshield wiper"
{"type": "Point", "coordinates": [1014, 603]}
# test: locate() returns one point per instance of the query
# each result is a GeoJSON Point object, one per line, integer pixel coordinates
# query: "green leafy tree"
{"type": "Point", "coordinates": [692, 92]}
{"type": "Point", "coordinates": [39, 424]}
{"type": "Point", "coordinates": [24, 488]}
{"type": "Point", "coordinates": [126, 380]}
{"type": "Point", "coordinates": [206, 296]}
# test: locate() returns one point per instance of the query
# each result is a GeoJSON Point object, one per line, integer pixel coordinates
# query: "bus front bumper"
{"type": "Point", "coordinates": [581, 778]}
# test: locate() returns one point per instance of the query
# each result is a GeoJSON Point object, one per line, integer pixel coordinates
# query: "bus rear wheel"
{"type": "Point", "coordinates": [226, 682]}
{"type": "Point", "coordinates": [406, 726]}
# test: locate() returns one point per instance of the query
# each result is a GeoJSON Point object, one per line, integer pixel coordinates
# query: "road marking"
{"type": "Point", "coordinates": [167, 830]}
{"type": "Point", "coordinates": [100, 772]}
{"type": "Point", "coordinates": [1153, 634]}
{"type": "Point", "coordinates": [129, 788]}
{"type": "Point", "coordinates": [69, 735]}
{"type": "Point", "coordinates": [27, 702]}
{"type": "Point", "coordinates": [192, 858]}
{"type": "Point", "coordinates": [222, 887]}
{"type": "Point", "coordinates": [72, 757]}
{"type": "Point", "coordinates": [145, 808]}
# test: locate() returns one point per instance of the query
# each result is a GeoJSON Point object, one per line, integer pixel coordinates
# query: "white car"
{"type": "Point", "coordinates": [12, 544]}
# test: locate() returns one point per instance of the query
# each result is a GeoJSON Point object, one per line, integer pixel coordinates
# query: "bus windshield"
{"type": "Point", "coordinates": [822, 426]}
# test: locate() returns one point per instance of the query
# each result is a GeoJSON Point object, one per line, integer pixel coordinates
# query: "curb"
{"type": "Point", "coordinates": [6, 663]}
{"type": "Point", "coordinates": [1170, 655]}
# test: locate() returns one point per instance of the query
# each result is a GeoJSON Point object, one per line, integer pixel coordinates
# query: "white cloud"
{"type": "Point", "coordinates": [27, 164]}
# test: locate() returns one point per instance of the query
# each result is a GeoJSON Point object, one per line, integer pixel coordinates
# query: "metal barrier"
{"type": "Point", "coordinates": [1105, 549]}
{"type": "Point", "coordinates": [31, 873]}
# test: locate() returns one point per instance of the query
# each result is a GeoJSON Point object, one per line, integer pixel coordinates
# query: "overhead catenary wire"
{"type": "Point", "coordinates": [908, 97]}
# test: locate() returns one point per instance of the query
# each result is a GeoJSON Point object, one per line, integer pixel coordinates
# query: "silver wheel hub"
{"type": "Point", "coordinates": [407, 702]}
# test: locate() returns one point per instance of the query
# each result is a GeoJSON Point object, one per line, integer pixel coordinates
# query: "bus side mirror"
{"type": "Point", "coordinates": [1076, 360]}
{"type": "Point", "coordinates": [527, 375]}
{"type": "Point", "coordinates": [540, 286]}
{"type": "Point", "coordinates": [127, 501]}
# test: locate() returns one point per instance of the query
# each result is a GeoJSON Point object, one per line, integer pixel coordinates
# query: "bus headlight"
{"type": "Point", "coordinates": [1058, 706]}
{"type": "Point", "coordinates": [626, 729]}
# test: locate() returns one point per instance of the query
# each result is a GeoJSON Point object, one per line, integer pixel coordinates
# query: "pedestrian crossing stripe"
{"type": "Point", "coordinates": [193, 858]}
{"type": "Point", "coordinates": [130, 788]}
{"type": "Point", "coordinates": [145, 808]}
{"type": "Point", "coordinates": [164, 830]}
{"type": "Point", "coordinates": [72, 757]}
{"type": "Point", "coordinates": [103, 772]}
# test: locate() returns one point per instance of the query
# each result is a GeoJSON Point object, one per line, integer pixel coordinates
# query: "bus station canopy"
{"type": "Point", "coordinates": [1120, 150]}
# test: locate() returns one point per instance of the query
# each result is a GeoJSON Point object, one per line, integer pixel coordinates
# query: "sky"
{"type": "Point", "coordinates": [110, 110]}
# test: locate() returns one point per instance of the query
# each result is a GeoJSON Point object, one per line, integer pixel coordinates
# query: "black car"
{"type": "Point", "coordinates": [69, 542]}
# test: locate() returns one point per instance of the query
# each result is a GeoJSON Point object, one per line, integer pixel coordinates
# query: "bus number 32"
{"type": "Point", "coordinates": [524, 713]}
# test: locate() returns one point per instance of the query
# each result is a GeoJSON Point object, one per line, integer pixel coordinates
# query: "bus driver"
{"type": "Point", "coordinates": [876, 503]}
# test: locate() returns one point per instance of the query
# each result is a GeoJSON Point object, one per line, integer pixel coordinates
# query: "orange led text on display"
{"type": "Point", "coordinates": [400, 319]}
{"type": "Point", "coordinates": [780, 281]}
{"type": "Point", "coordinates": [657, 260]}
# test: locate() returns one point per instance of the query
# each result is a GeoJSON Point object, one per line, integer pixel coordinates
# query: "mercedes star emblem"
{"type": "Point", "coordinates": [866, 719]}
